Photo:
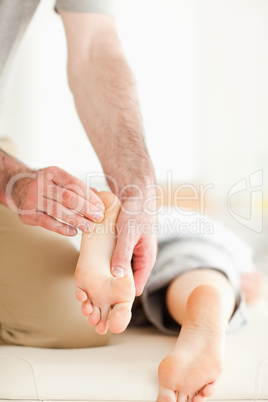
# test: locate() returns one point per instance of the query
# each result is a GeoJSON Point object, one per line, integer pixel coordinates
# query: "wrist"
{"type": "Point", "coordinates": [139, 190]}
{"type": "Point", "coordinates": [141, 200]}
{"type": "Point", "coordinates": [129, 184]}
{"type": "Point", "coordinates": [9, 168]}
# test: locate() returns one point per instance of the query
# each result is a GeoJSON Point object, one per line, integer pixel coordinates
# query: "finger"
{"type": "Point", "coordinates": [49, 223]}
{"type": "Point", "coordinates": [59, 211]}
{"type": "Point", "coordinates": [66, 180]}
{"type": "Point", "coordinates": [76, 203]}
{"type": "Point", "coordinates": [121, 259]}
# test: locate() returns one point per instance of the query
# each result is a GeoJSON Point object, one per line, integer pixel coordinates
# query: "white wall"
{"type": "Point", "coordinates": [232, 90]}
{"type": "Point", "coordinates": [201, 70]}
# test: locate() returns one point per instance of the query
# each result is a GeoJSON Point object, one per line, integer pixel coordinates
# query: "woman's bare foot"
{"type": "Point", "coordinates": [191, 371]}
{"type": "Point", "coordinates": [106, 300]}
{"type": "Point", "coordinates": [252, 285]}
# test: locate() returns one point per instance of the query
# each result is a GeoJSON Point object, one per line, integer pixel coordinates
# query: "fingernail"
{"type": "Point", "coordinates": [100, 206]}
{"type": "Point", "coordinates": [98, 217]}
{"type": "Point", "coordinates": [119, 272]}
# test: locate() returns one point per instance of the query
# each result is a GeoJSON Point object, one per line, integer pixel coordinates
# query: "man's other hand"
{"type": "Point", "coordinates": [55, 200]}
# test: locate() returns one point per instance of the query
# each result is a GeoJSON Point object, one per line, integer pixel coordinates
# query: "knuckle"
{"type": "Point", "coordinates": [72, 186]}
{"type": "Point", "coordinates": [150, 260]}
{"type": "Point", "coordinates": [47, 175]}
{"type": "Point", "coordinates": [145, 259]}
{"type": "Point", "coordinates": [58, 173]}
{"type": "Point", "coordinates": [50, 170]}
{"type": "Point", "coordinates": [68, 198]}
{"type": "Point", "coordinates": [122, 256]}
{"type": "Point", "coordinates": [53, 168]}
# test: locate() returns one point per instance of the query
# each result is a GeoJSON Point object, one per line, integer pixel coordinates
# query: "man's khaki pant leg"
{"type": "Point", "coordinates": [37, 293]}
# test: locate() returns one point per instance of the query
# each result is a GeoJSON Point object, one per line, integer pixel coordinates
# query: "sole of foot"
{"type": "Point", "coordinates": [106, 300]}
{"type": "Point", "coordinates": [191, 371]}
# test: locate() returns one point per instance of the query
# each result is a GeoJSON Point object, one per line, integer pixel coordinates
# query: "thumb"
{"type": "Point", "coordinates": [121, 259]}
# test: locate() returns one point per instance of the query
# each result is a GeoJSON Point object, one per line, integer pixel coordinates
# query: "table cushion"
{"type": "Point", "coordinates": [126, 370]}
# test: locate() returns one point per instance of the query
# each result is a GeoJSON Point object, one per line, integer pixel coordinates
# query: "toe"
{"type": "Point", "coordinates": [166, 395]}
{"type": "Point", "coordinates": [119, 317]}
{"type": "Point", "coordinates": [181, 397]}
{"type": "Point", "coordinates": [209, 389]}
{"type": "Point", "coordinates": [102, 327]}
{"type": "Point", "coordinates": [105, 313]}
{"type": "Point", "coordinates": [199, 398]}
{"type": "Point", "coordinates": [80, 295]}
{"type": "Point", "coordinates": [94, 317]}
{"type": "Point", "coordinates": [205, 392]}
{"type": "Point", "coordinates": [86, 307]}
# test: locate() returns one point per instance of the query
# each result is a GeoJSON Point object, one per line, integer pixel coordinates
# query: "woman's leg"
{"type": "Point", "coordinates": [37, 290]}
{"type": "Point", "coordinates": [202, 302]}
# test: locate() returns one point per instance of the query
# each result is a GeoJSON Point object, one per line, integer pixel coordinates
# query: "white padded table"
{"type": "Point", "coordinates": [126, 370]}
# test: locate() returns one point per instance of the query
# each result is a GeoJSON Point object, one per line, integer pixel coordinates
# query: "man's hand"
{"type": "Point", "coordinates": [106, 100]}
{"type": "Point", "coordinates": [55, 200]}
{"type": "Point", "coordinates": [136, 243]}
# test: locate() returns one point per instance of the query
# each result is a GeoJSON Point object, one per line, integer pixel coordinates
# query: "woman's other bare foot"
{"type": "Point", "coordinates": [191, 371]}
{"type": "Point", "coordinates": [106, 300]}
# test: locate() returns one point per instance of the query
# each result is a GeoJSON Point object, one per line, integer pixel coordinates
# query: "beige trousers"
{"type": "Point", "coordinates": [37, 292]}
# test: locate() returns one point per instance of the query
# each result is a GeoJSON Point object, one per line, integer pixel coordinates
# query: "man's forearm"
{"type": "Point", "coordinates": [106, 101]}
{"type": "Point", "coordinates": [9, 167]}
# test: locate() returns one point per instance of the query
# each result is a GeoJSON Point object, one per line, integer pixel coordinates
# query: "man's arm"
{"type": "Point", "coordinates": [106, 101]}
{"type": "Point", "coordinates": [48, 197]}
